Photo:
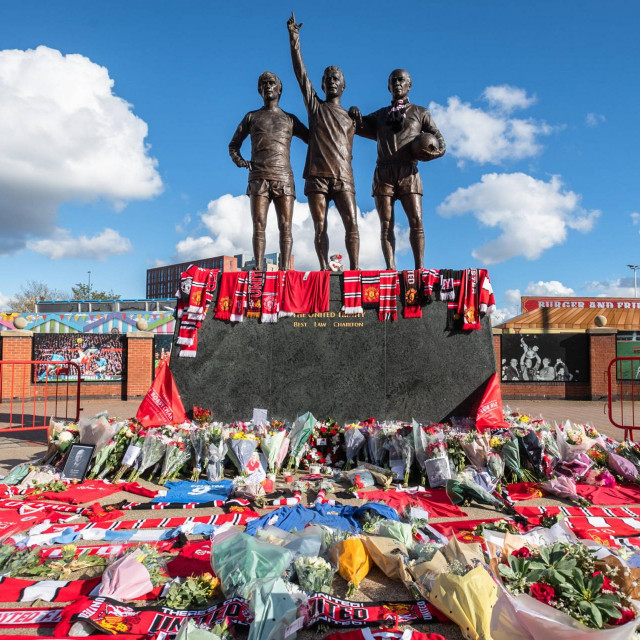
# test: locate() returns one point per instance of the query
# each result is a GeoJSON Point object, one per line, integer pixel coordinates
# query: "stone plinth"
{"type": "Point", "coordinates": [342, 367]}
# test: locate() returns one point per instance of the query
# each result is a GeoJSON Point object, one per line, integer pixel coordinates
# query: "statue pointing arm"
{"type": "Point", "coordinates": [308, 93]}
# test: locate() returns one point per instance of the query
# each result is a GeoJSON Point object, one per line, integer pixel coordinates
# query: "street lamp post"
{"type": "Point", "coordinates": [635, 268]}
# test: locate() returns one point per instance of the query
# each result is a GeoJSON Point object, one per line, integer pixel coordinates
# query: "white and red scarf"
{"type": "Point", "coordinates": [370, 288]}
{"type": "Point", "coordinates": [228, 286]}
{"type": "Point", "coordinates": [239, 300]}
{"type": "Point", "coordinates": [487, 301]}
{"type": "Point", "coordinates": [430, 277]}
{"type": "Point", "coordinates": [389, 290]}
{"type": "Point", "coordinates": [469, 301]}
{"type": "Point", "coordinates": [272, 295]}
{"type": "Point", "coordinates": [352, 293]}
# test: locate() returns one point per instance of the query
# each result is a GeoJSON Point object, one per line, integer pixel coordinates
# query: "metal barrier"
{"type": "Point", "coordinates": [622, 388]}
{"type": "Point", "coordinates": [34, 391]}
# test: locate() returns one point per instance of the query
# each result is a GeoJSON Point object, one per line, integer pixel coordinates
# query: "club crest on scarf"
{"type": "Point", "coordinates": [117, 619]}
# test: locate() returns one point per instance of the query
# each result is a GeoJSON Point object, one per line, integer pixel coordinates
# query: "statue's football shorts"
{"type": "Point", "coordinates": [396, 180]}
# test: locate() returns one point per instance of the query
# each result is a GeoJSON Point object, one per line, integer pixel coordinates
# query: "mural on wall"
{"type": "Point", "coordinates": [162, 349]}
{"type": "Point", "coordinates": [545, 357]}
{"type": "Point", "coordinates": [111, 322]}
{"type": "Point", "coordinates": [100, 357]}
{"type": "Point", "coordinates": [628, 345]}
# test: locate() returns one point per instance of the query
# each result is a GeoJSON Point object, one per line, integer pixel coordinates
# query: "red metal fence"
{"type": "Point", "coordinates": [623, 384]}
{"type": "Point", "coordinates": [34, 391]}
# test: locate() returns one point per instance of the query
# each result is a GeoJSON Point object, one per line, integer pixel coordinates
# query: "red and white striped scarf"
{"type": "Point", "coordinates": [352, 293]}
{"type": "Point", "coordinates": [228, 285]}
{"type": "Point", "coordinates": [271, 295]}
{"type": "Point", "coordinates": [389, 290]}
{"type": "Point", "coordinates": [240, 295]}
{"type": "Point", "coordinates": [429, 279]}
{"type": "Point", "coordinates": [469, 302]}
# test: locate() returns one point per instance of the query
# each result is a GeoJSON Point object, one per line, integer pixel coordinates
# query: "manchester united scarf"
{"type": "Point", "coordinates": [233, 502]}
{"type": "Point", "coordinates": [597, 512]}
{"type": "Point", "coordinates": [239, 300]}
{"type": "Point", "coordinates": [226, 292]}
{"type": "Point", "coordinates": [113, 617]}
{"type": "Point", "coordinates": [104, 550]}
{"type": "Point", "coordinates": [305, 292]}
{"type": "Point", "coordinates": [469, 302]}
{"type": "Point", "coordinates": [430, 277]}
{"type": "Point", "coordinates": [18, 590]}
{"type": "Point", "coordinates": [449, 293]}
{"type": "Point", "coordinates": [352, 293]}
{"type": "Point", "coordinates": [487, 304]}
{"type": "Point", "coordinates": [254, 303]}
{"type": "Point", "coordinates": [412, 281]}
{"type": "Point", "coordinates": [370, 288]}
{"type": "Point", "coordinates": [272, 296]}
{"type": "Point", "coordinates": [389, 290]}
{"type": "Point", "coordinates": [32, 617]}
{"type": "Point", "coordinates": [24, 508]}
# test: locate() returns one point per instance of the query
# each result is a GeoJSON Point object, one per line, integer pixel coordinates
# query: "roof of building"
{"type": "Point", "coordinates": [559, 320]}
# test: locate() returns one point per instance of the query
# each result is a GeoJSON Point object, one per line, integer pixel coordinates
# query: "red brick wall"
{"type": "Point", "coordinates": [497, 348]}
{"type": "Point", "coordinates": [602, 350]}
{"type": "Point", "coordinates": [551, 390]}
{"type": "Point", "coordinates": [16, 345]}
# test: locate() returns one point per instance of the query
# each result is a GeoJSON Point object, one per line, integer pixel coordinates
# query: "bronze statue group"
{"type": "Point", "coordinates": [405, 133]}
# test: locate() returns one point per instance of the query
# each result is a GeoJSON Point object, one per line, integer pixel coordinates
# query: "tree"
{"type": "Point", "coordinates": [83, 291]}
{"type": "Point", "coordinates": [32, 292]}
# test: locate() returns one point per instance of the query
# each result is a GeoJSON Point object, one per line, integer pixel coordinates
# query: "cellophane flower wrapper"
{"type": "Point", "coordinates": [97, 431]}
{"type": "Point", "coordinates": [353, 561]}
{"type": "Point", "coordinates": [216, 456]}
{"type": "Point", "coordinates": [271, 444]}
{"type": "Point", "coordinates": [531, 450]}
{"type": "Point", "coordinates": [240, 452]}
{"type": "Point", "coordinates": [153, 448]}
{"type": "Point", "coordinates": [401, 532]}
{"type": "Point", "coordinates": [315, 575]}
{"type": "Point", "coordinates": [198, 440]}
{"type": "Point", "coordinates": [511, 455]}
{"type": "Point", "coordinates": [563, 487]}
{"type": "Point", "coordinates": [572, 441]}
{"type": "Point", "coordinates": [389, 556]}
{"type": "Point", "coordinates": [375, 447]}
{"type": "Point", "coordinates": [600, 478]}
{"type": "Point", "coordinates": [126, 579]}
{"type": "Point", "coordinates": [495, 466]}
{"type": "Point", "coordinates": [419, 443]}
{"type": "Point", "coordinates": [577, 467]}
{"type": "Point", "coordinates": [463, 489]}
{"type": "Point", "coordinates": [301, 432]}
{"type": "Point", "coordinates": [354, 440]}
{"type": "Point", "coordinates": [622, 467]}
{"type": "Point", "coordinates": [176, 455]}
{"type": "Point", "coordinates": [401, 448]}
{"type": "Point", "coordinates": [477, 449]}
{"type": "Point", "coordinates": [100, 459]}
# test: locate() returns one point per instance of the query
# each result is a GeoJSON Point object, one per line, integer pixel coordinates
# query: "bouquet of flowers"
{"type": "Point", "coordinates": [564, 576]}
{"type": "Point", "coordinates": [455, 452]}
{"type": "Point", "coordinates": [565, 487]}
{"type": "Point", "coordinates": [271, 443]}
{"type": "Point", "coordinates": [573, 440]}
{"type": "Point", "coordinates": [353, 560]}
{"type": "Point", "coordinates": [116, 452]}
{"type": "Point", "coordinates": [623, 468]}
{"type": "Point", "coordinates": [100, 459]}
{"type": "Point", "coordinates": [600, 478]}
{"type": "Point", "coordinates": [199, 439]}
{"type": "Point", "coordinates": [201, 416]}
{"type": "Point", "coordinates": [476, 446]}
{"type": "Point", "coordinates": [315, 575]}
{"type": "Point", "coordinates": [400, 448]}
{"type": "Point", "coordinates": [176, 454]}
{"type": "Point", "coordinates": [300, 433]}
{"type": "Point", "coordinates": [153, 448]}
{"type": "Point", "coordinates": [325, 439]}
{"type": "Point", "coordinates": [194, 592]}
{"type": "Point", "coordinates": [61, 436]}
{"type": "Point", "coordinates": [376, 435]}
{"type": "Point", "coordinates": [130, 457]}
{"type": "Point", "coordinates": [354, 440]}
{"type": "Point", "coordinates": [241, 447]}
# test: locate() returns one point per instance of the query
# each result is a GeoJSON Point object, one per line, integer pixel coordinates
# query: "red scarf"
{"type": "Point", "coordinates": [24, 618]}
{"type": "Point", "coordinates": [487, 300]}
{"type": "Point", "coordinates": [17, 590]}
{"type": "Point", "coordinates": [256, 282]}
{"type": "Point", "coordinates": [370, 288]}
{"type": "Point", "coordinates": [239, 300]}
{"type": "Point", "coordinates": [272, 295]}
{"type": "Point", "coordinates": [389, 290]}
{"type": "Point", "coordinates": [469, 302]}
{"type": "Point", "coordinates": [352, 293]}
{"type": "Point", "coordinates": [305, 292]}
{"type": "Point", "coordinates": [228, 285]}
{"type": "Point", "coordinates": [429, 279]}
{"type": "Point", "coordinates": [412, 281]}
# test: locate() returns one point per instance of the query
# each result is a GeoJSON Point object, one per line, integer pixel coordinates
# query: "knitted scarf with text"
{"type": "Point", "coordinates": [254, 304]}
{"type": "Point", "coordinates": [352, 293]}
{"type": "Point", "coordinates": [412, 281]}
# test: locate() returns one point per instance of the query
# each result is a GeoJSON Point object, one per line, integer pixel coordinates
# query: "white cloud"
{"type": "Point", "coordinates": [507, 98]}
{"type": "Point", "coordinates": [532, 215]}
{"type": "Point", "coordinates": [594, 119]}
{"type": "Point", "coordinates": [483, 136]}
{"type": "Point", "coordinates": [228, 221]}
{"type": "Point", "coordinates": [635, 219]}
{"type": "Point", "coordinates": [64, 136]}
{"type": "Point", "coordinates": [99, 247]}
{"type": "Point", "coordinates": [159, 263]}
{"type": "Point", "coordinates": [4, 302]}
{"type": "Point", "coordinates": [510, 310]}
{"type": "Point", "coordinates": [553, 288]}
{"type": "Point", "coordinates": [615, 288]}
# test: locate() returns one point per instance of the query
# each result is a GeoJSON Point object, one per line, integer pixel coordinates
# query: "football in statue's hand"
{"type": "Point", "coordinates": [425, 147]}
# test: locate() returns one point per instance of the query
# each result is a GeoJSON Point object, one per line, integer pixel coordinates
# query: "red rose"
{"type": "Point", "coordinates": [522, 552]}
{"type": "Point", "coordinates": [627, 616]}
{"type": "Point", "coordinates": [542, 592]}
{"type": "Point", "coordinates": [606, 585]}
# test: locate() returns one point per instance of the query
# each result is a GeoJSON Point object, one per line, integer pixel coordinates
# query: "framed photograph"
{"type": "Point", "coordinates": [78, 461]}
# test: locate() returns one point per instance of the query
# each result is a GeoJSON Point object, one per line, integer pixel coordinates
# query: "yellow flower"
{"type": "Point", "coordinates": [68, 548]}
{"type": "Point", "coordinates": [494, 442]}
{"type": "Point", "coordinates": [525, 418]}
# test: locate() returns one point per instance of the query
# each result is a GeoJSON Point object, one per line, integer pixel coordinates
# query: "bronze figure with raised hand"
{"type": "Point", "coordinates": [270, 175]}
{"type": "Point", "coordinates": [405, 134]}
{"type": "Point", "coordinates": [327, 171]}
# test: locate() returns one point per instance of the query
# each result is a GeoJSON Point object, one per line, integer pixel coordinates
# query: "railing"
{"type": "Point", "coordinates": [34, 391]}
{"type": "Point", "coordinates": [622, 388]}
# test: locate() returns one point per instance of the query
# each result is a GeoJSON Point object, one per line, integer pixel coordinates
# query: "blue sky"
{"type": "Point", "coordinates": [536, 101]}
